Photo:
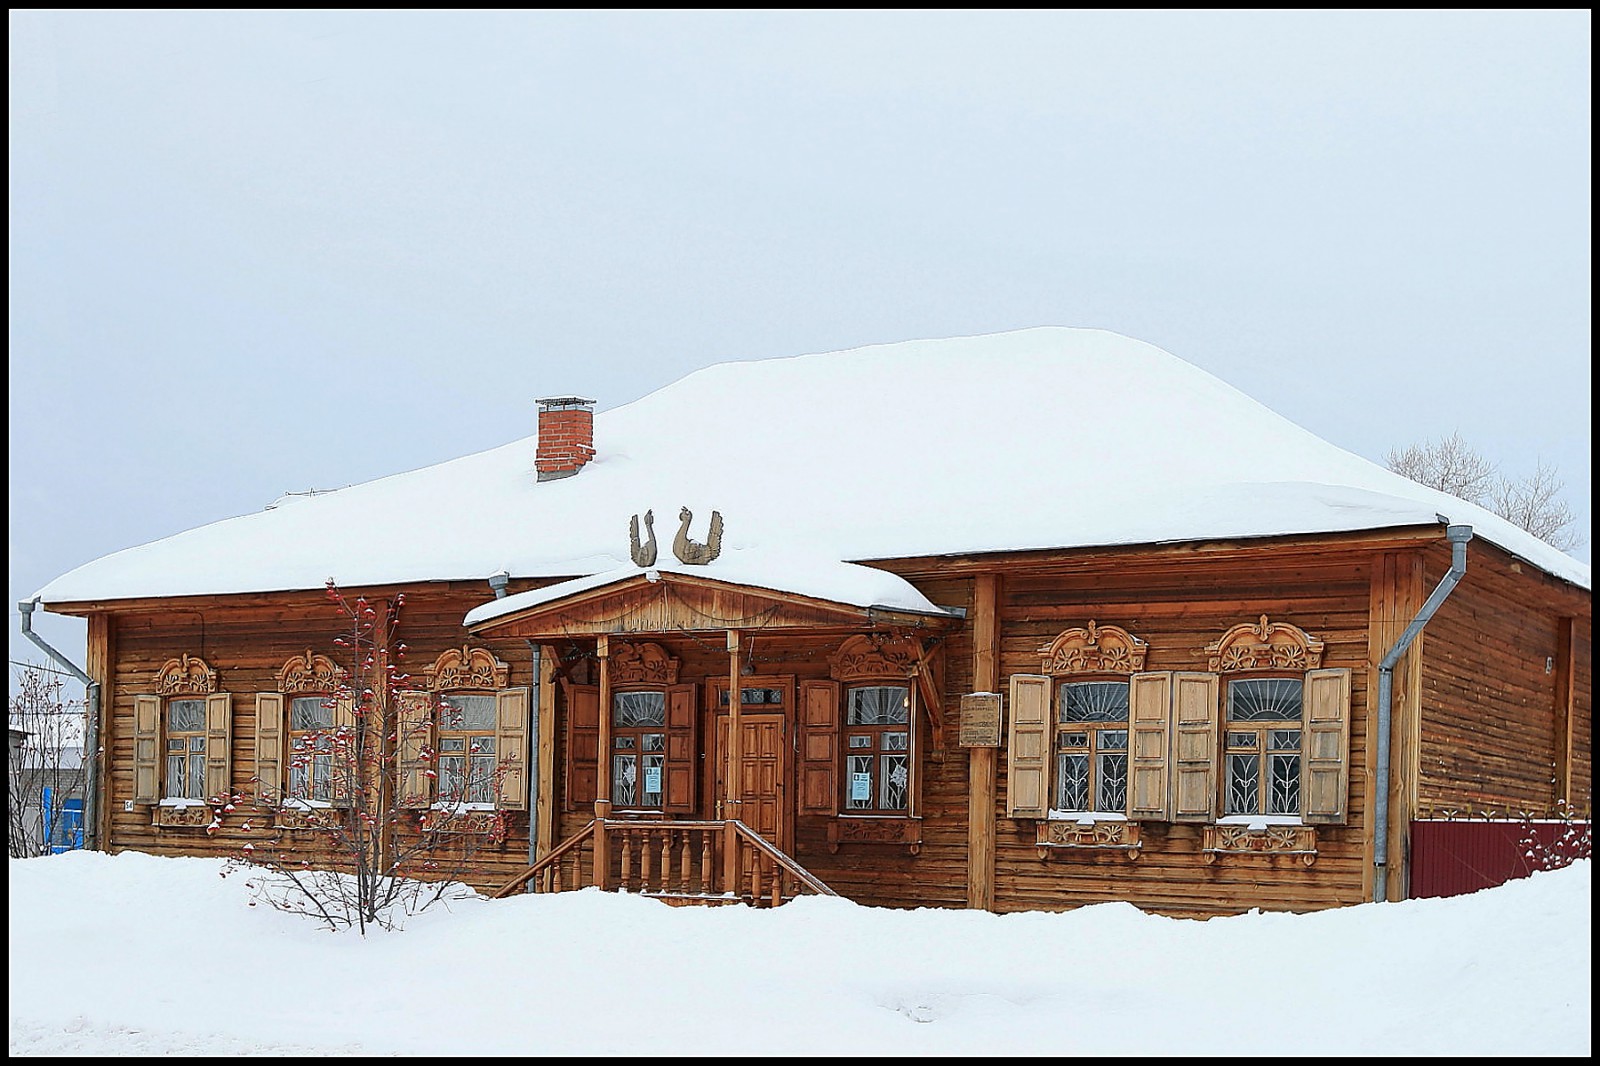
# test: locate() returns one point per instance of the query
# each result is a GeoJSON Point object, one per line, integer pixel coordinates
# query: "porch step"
{"type": "Point", "coordinates": [693, 899]}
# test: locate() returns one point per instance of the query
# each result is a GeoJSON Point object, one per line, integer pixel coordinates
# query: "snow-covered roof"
{"type": "Point", "coordinates": [1040, 438]}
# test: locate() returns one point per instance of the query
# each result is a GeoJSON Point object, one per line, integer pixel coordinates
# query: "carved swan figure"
{"type": "Point", "coordinates": [643, 554]}
{"type": "Point", "coordinates": [690, 552]}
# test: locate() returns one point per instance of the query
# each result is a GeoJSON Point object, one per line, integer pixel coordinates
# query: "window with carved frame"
{"type": "Point", "coordinates": [466, 759]}
{"type": "Point", "coordinates": [1262, 747]}
{"type": "Point", "coordinates": [1091, 746]}
{"type": "Point", "coordinates": [182, 739]}
{"type": "Point", "coordinates": [639, 748]}
{"type": "Point", "coordinates": [877, 749]}
{"type": "Point", "coordinates": [311, 747]}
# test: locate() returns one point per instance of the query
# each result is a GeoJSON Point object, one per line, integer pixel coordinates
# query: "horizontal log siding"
{"type": "Point", "coordinates": [1488, 735]}
{"type": "Point", "coordinates": [1180, 610]}
{"type": "Point", "coordinates": [247, 639]}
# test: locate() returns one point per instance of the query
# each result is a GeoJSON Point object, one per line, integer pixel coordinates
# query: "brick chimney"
{"type": "Point", "coordinates": [566, 436]}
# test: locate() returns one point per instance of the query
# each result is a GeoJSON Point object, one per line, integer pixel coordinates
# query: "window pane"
{"type": "Point", "coordinates": [175, 781]}
{"type": "Point", "coordinates": [1284, 740]}
{"type": "Point", "coordinates": [1113, 740]}
{"type": "Point", "coordinates": [624, 774]}
{"type": "Point", "coordinates": [1072, 782]}
{"type": "Point", "coordinates": [482, 745]}
{"type": "Point", "coordinates": [629, 709]}
{"type": "Point", "coordinates": [479, 789]}
{"type": "Point", "coordinates": [197, 777]}
{"type": "Point", "coordinates": [452, 777]}
{"type": "Point", "coordinates": [311, 712]}
{"type": "Point", "coordinates": [894, 781]}
{"type": "Point", "coordinates": [1265, 699]}
{"type": "Point", "coordinates": [1243, 740]}
{"type": "Point", "coordinates": [655, 742]}
{"type": "Point", "coordinates": [1243, 785]}
{"type": "Point", "coordinates": [879, 705]}
{"type": "Point", "coordinates": [896, 742]}
{"type": "Point", "coordinates": [466, 712]}
{"type": "Point", "coordinates": [1094, 701]}
{"type": "Point", "coordinates": [1112, 795]}
{"type": "Point", "coordinates": [322, 778]}
{"type": "Point", "coordinates": [186, 716]}
{"type": "Point", "coordinates": [1074, 740]}
{"type": "Point", "coordinates": [1284, 797]}
{"type": "Point", "coordinates": [452, 743]}
{"type": "Point", "coordinates": [860, 741]}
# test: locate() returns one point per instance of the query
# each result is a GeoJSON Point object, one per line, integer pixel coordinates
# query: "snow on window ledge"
{"type": "Point", "coordinates": [1260, 821]}
{"type": "Point", "coordinates": [293, 803]}
{"type": "Point", "coordinates": [462, 808]}
{"type": "Point", "coordinates": [1085, 817]}
{"type": "Point", "coordinates": [172, 801]}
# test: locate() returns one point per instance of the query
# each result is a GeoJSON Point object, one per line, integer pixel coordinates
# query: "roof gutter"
{"type": "Point", "coordinates": [91, 738]}
{"type": "Point", "coordinates": [1457, 535]}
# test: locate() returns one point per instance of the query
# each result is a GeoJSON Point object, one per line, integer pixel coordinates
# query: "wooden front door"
{"type": "Point", "coordinates": [764, 774]}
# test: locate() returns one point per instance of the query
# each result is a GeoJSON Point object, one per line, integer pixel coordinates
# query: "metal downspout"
{"type": "Point", "coordinates": [498, 583]}
{"type": "Point", "coordinates": [1457, 536]}
{"type": "Point", "coordinates": [91, 737]}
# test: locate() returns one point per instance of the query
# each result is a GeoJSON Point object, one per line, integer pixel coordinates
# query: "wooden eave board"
{"type": "Point", "coordinates": [677, 602]}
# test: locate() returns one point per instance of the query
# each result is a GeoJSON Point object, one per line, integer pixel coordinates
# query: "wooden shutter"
{"type": "Point", "coordinates": [819, 747]}
{"type": "Point", "coordinates": [414, 744]}
{"type": "Point", "coordinates": [1327, 745]}
{"type": "Point", "coordinates": [511, 748]}
{"type": "Point", "coordinates": [1149, 719]}
{"type": "Point", "coordinates": [269, 748]}
{"type": "Point", "coordinates": [146, 749]}
{"type": "Point", "coordinates": [1194, 746]}
{"type": "Point", "coordinates": [219, 737]}
{"type": "Point", "coordinates": [583, 745]}
{"type": "Point", "coordinates": [679, 779]}
{"type": "Point", "coordinates": [1028, 747]}
{"type": "Point", "coordinates": [346, 772]}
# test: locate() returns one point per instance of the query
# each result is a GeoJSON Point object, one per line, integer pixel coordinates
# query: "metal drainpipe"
{"type": "Point", "coordinates": [91, 737]}
{"type": "Point", "coordinates": [498, 583]}
{"type": "Point", "coordinates": [1458, 537]}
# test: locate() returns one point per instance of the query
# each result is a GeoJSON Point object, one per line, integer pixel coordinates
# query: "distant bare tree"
{"type": "Point", "coordinates": [1452, 465]}
{"type": "Point", "coordinates": [43, 768]}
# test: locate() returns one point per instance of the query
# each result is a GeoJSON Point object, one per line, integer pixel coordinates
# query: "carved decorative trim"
{"type": "Point", "coordinates": [638, 664]}
{"type": "Point", "coordinates": [1106, 836]}
{"type": "Point", "coordinates": [308, 818]}
{"type": "Point", "coordinates": [489, 824]}
{"type": "Point", "coordinates": [466, 667]}
{"type": "Point", "coordinates": [187, 675]}
{"type": "Point", "coordinates": [1095, 649]}
{"type": "Point", "coordinates": [869, 656]}
{"type": "Point", "coordinates": [905, 831]}
{"type": "Point", "coordinates": [1264, 645]}
{"type": "Point", "coordinates": [310, 673]}
{"type": "Point", "coordinates": [1300, 840]}
{"type": "Point", "coordinates": [194, 816]}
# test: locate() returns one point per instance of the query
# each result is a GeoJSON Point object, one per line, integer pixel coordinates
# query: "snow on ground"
{"type": "Point", "coordinates": [137, 955]}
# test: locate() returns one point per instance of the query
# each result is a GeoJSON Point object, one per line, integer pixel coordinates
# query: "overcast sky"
{"type": "Point", "coordinates": [271, 251]}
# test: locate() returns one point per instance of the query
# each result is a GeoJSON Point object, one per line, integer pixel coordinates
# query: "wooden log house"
{"type": "Point", "coordinates": [1120, 641]}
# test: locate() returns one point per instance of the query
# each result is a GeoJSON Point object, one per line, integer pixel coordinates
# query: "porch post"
{"type": "Point", "coordinates": [602, 793]}
{"type": "Point", "coordinates": [981, 762]}
{"type": "Point", "coordinates": [733, 799]}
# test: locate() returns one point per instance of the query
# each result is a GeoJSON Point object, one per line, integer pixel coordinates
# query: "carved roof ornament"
{"type": "Point", "coordinates": [633, 664]}
{"type": "Point", "coordinates": [1264, 645]}
{"type": "Point", "coordinates": [466, 667]}
{"type": "Point", "coordinates": [644, 554]}
{"type": "Point", "coordinates": [867, 656]}
{"type": "Point", "coordinates": [688, 551]}
{"type": "Point", "coordinates": [1095, 649]}
{"type": "Point", "coordinates": [187, 675]}
{"type": "Point", "coordinates": [310, 673]}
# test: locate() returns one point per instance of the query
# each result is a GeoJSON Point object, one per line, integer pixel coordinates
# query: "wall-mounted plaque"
{"type": "Point", "coordinates": [980, 720]}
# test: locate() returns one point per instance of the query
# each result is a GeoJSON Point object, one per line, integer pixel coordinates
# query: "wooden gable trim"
{"type": "Point", "coordinates": [665, 602]}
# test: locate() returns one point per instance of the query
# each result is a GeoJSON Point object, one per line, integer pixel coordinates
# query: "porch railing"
{"type": "Point", "coordinates": [688, 862]}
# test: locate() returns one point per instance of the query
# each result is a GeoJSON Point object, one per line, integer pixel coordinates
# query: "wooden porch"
{"type": "Point", "coordinates": [680, 862]}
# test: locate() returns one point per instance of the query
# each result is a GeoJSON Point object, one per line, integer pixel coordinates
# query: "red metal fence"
{"type": "Point", "coordinates": [1454, 857]}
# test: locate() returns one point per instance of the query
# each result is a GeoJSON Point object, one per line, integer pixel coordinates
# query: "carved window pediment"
{"type": "Point", "coordinates": [1094, 649]}
{"type": "Point", "coordinates": [466, 668]}
{"type": "Point", "coordinates": [642, 664]}
{"type": "Point", "coordinates": [1264, 645]}
{"type": "Point", "coordinates": [187, 675]}
{"type": "Point", "coordinates": [871, 656]}
{"type": "Point", "coordinates": [310, 673]}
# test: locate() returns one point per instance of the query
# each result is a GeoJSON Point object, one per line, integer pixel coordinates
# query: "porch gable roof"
{"type": "Point", "coordinates": [663, 600]}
